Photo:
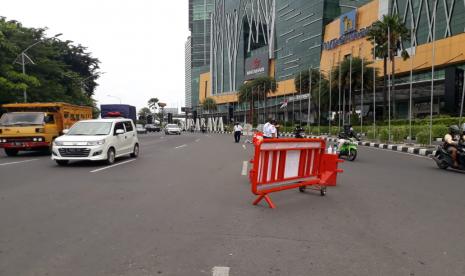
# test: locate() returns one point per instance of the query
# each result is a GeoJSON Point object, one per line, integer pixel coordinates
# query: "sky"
{"type": "Point", "coordinates": [140, 43]}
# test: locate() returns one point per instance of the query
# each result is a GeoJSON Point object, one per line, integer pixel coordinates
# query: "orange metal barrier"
{"type": "Point", "coordinates": [283, 164]}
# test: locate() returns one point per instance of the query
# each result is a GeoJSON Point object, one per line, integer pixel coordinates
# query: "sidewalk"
{"type": "Point", "coordinates": [411, 149]}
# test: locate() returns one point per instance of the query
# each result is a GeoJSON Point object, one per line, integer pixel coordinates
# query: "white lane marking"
{"type": "Point", "coordinates": [243, 146]}
{"type": "Point", "coordinates": [18, 162]}
{"type": "Point", "coordinates": [401, 152]}
{"type": "Point", "coordinates": [244, 168]}
{"type": "Point", "coordinates": [220, 271]}
{"type": "Point", "coordinates": [181, 146]}
{"type": "Point", "coordinates": [161, 137]}
{"type": "Point", "coordinates": [111, 166]}
{"type": "Point", "coordinates": [197, 140]}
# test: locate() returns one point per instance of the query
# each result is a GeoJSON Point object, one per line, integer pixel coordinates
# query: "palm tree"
{"type": "Point", "coordinates": [209, 104]}
{"type": "Point", "coordinates": [356, 78]}
{"type": "Point", "coordinates": [153, 103]}
{"type": "Point", "coordinates": [301, 82]}
{"type": "Point", "coordinates": [258, 88]}
{"type": "Point", "coordinates": [144, 112]}
{"type": "Point", "coordinates": [390, 25]}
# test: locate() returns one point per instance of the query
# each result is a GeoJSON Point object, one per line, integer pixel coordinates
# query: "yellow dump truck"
{"type": "Point", "coordinates": [34, 126]}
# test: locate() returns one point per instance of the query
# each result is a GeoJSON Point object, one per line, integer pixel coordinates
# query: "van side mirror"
{"type": "Point", "coordinates": [119, 131]}
{"type": "Point", "coordinates": [65, 131]}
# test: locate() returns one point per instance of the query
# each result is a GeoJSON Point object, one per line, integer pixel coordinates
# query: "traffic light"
{"type": "Point", "coordinates": [170, 118]}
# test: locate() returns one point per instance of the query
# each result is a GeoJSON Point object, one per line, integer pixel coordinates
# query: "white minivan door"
{"type": "Point", "coordinates": [120, 140]}
{"type": "Point", "coordinates": [130, 137]}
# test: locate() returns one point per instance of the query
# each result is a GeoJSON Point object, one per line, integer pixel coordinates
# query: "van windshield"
{"type": "Point", "coordinates": [90, 128]}
{"type": "Point", "coordinates": [22, 119]}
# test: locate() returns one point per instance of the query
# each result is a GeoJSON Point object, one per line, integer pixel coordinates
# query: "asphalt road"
{"type": "Point", "coordinates": [183, 208]}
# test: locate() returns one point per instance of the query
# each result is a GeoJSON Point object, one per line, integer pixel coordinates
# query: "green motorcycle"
{"type": "Point", "coordinates": [349, 149]}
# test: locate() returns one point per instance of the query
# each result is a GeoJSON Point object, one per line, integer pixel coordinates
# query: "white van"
{"type": "Point", "coordinates": [102, 139]}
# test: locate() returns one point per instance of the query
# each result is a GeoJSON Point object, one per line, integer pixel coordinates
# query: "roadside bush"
{"type": "Point", "coordinates": [398, 134]}
{"type": "Point", "coordinates": [371, 134]}
{"type": "Point", "coordinates": [423, 138]}
{"type": "Point", "coordinates": [383, 135]}
{"type": "Point", "coordinates": [439, 131]}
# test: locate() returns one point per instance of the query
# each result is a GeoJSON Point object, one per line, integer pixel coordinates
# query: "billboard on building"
{"type": "Point", "coordinates": [348, 22]}
{"type": "Point", "coordinates": [257, 66]}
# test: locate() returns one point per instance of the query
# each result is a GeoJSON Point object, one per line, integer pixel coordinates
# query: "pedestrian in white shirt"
{"type": "Point", "coordinates": [269, 129]}
{"type": "Point", "coordinates": [237, 132]}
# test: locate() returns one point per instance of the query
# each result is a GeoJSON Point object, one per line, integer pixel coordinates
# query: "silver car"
{"type": "Point", "coordinates": [172, 129]}
{"type": "Point", "coordinates": [141, 129]}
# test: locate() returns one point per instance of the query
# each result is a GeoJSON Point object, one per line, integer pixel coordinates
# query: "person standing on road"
{"type": "Point", "coordinates": [269, 129]}
{"type": "Point", "coordinates": [237, 132]}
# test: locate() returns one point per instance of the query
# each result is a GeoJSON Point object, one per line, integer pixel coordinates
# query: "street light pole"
{"type": "Point", "coordinates": [389, 86]}
{"type": "Point", "coordinates": [461, 103]}
{"type": "Point", "coordinates": [432, 75]}
{"type": "Point", "coordinates": [361, 90]}
{"type": "Point", "coordinates": [24, 73]}
{"type": "Point", "coordinates": [85, 79]}
{"type": "Point", "coordinates": [309, 97]}
{"type": "Point", "coordinates": [411, 83]}
{"type": "Point", "coordinates": [26, 59]}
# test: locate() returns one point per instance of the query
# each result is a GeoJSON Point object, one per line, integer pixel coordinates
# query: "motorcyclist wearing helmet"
{"type": "Point", "coordinates": [346, 135]}
{"type": "Point", "coordinates": [451, 142]}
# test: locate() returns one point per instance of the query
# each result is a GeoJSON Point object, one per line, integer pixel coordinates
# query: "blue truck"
{"type": "Point", "coordinates": [125, 110]}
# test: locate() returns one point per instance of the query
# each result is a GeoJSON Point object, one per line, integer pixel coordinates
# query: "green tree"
{"type": "Point", "coordinates": [153, 104]}
{"type": "Point", "coordinates": [144, 112]}
{"type": "Point", "coordinates": [301, 82]}
{"type": "Point", "coordinates": [388, 34]}
{"type": "Point", "coordinates": [209, 104]}
{"type": "Point", "coordinates": [57, 73]}
{"type": "Point", "coordinates": [258, 88]}
{"type": "Point", "coordinates": [345, 77]}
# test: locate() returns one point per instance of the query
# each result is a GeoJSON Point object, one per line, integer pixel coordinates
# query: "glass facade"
{"type": "Point", "coordinates": [418, 14]}
{"type": "Point", "coordinates": [195, 82]}
{"type": "Point", "coordinates": [200, 26]}
{"type": "Point", "coordinates": [299, 31]}
{"type": "Point", "coordinates": [348, 5]}
{"type": "Point", "coordinates": [188, 74]}
{"type": "Point", "coordinates": [230, 31]}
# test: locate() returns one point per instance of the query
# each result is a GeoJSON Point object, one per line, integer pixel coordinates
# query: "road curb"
{"type": "Point", "coordinates": [399, 148]}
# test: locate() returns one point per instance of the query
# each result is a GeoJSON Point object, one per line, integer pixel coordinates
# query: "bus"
{"type": "Point", "coordinates": [34, 126]}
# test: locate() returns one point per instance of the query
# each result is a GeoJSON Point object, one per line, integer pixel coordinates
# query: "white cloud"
{"type": "Point", "coordinates": [140, 43]}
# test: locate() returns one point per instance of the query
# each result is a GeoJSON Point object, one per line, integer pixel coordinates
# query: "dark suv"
{"type": "Point", "coordinates": [152, 128]}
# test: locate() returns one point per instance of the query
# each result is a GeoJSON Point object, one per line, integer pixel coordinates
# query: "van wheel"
{"type": "Point", "coordinates": [111, 156]}
{"type": "Point", "coordinates": [62, 162]}
{"type": "Point", "coordinates": [11, 152]}
{"type": "Point", "coordinates": [135, 153]}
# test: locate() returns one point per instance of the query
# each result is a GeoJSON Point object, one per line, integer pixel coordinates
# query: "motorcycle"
{"type": "Point", "coordinates": [299, 132]}
{"type": "Point", "coordinates": [349, 149]}
{"type": "Point", "coordinates": [444, 159]}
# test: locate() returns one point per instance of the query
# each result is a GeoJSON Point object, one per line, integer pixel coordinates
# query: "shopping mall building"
{"type": "Point", "coordinates": [236, 41]}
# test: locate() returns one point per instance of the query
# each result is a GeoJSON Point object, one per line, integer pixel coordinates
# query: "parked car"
{"type": "Point", "coordinates": [141, 129]}
{"type": "Point", "coordinates": [152, 128]}
{"type": "Point", "coordinates": [172, 129]}
{"type": "Point", "coordinates": [102, 139]}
